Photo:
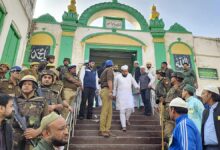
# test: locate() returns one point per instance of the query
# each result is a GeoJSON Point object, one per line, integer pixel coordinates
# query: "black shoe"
{"type": "Point", "coordinates": [89, 117]}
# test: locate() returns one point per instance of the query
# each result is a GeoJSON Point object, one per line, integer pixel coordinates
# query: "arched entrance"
{"type": "Point", "coordinates": [120, 48]}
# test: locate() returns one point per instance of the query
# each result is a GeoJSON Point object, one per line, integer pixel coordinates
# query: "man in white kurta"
{"type": "Point", "coordinates": [123, 94]}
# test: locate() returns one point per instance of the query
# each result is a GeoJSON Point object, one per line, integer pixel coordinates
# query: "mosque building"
{"type": "Point", "coordinates": [76, 37]}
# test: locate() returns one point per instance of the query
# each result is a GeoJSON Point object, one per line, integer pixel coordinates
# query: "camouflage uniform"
{"type": "Point", "coordinates": [69, 91]}
{"type": "Point", "coordinates": [172, 93]}
{"type": "Point", "coordinates": [52, 96]}
{"type": "Point", "coordinates": [162, 88]}
{"type": "Point", "coordinates": [8, 87]}
{"type": "Point", "coordinates": [62, 70]}
{"type": "Point", "coordinates": [29, 72]}
{"type": "Point", "coordinates": [33, 109]}
{"type": "Point", "coordinates": [189, 77]}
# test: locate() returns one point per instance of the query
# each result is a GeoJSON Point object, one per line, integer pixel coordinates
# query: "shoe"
{"type": "Point", "coordinates": [128, 122]}
{"type": "Point", "coordinates": [111, 134]}
{"type": "Point", "coordinates": [102, 133]}
{"type": "Point", "coordinates": [124, 129]}
{"type": "Point", "coordinates": [89, 117]}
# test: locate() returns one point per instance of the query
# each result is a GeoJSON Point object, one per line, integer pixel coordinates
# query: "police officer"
{"type": "Point", "coordinates": [4, 68]}
{"type": "Point", "coordinates": [162, 86]}
{"type": "Point", "coordinates": [32, 108]}
{"type": "Point", "coordinates": [50, 59]}
{"type": "Point", "coordinates": [168, 71]}
{"type": "Point", "coordinates": [10, 86]}
{"type": "Point", "coordinates": [52, 96]}
{"type": "Point", "coordinates": [189, 75]}
{"type": "Point", "coordinates": [71, 83]}
{"type": "Point", "coordinates": [33, 70]}
{"type": "Point", "coordinates": [64, 68]}
{"type": "Point", "coordinates": [174, 92]}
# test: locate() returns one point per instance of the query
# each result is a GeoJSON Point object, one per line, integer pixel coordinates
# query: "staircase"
{"type": "Point", "coordinates": [143, 134]}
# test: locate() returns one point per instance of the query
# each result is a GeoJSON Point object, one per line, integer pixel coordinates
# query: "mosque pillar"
{"type": "Point", "coordinates": [69, 26]}
{"type": "Point", "coordinates": [158, 32]}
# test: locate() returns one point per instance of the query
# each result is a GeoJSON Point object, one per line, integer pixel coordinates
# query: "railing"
{"type": "Point", "coordinates": [72, 116]}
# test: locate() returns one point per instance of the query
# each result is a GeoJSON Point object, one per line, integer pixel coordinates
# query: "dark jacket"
{"type": "Point", "coordinates": [90, 78]}
{"type": "Point", "coordinates": [137, 74]}
{"type": "Point", "coordinates": [8, 135]}
{"type": "Point", "coordinates": [216, 116]}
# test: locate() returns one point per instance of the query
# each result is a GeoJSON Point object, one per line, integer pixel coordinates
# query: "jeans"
{"type": "Point", "coordinates": [88, 93]}
{"type": "Point", "coordinates": [145, 95]}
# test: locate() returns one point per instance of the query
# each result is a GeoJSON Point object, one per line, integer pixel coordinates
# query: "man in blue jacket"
{"type": "Point", "coordinates": [89, 79]}
{"type": "Point", "coordinates": [185, 135]}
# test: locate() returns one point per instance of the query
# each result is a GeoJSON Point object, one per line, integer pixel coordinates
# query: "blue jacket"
{"type": "Point", "coordinates": [90, 78]}
{"type": "Point", "coordinates": [185, 135]}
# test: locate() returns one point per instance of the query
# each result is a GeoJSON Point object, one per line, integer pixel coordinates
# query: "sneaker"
{"type": "Point", "coordinates": [124, 129]}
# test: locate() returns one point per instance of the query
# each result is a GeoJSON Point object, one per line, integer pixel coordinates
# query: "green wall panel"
{"type": "Point", "coordinates": [160, 54]}
{"type": "Point", "coordinates": [66, 48]}
{"type": "Point", "coordinates": [11, 47]}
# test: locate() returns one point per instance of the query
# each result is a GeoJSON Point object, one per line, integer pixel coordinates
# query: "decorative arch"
{"type": "Point", "coordinates": [181, 48]}
{"type": "Point", "coordinates": [88, 13]}
{"type": "Point", "coordinates": [39, 38]}
{"type": "Point", "coordinates": [112, 33]}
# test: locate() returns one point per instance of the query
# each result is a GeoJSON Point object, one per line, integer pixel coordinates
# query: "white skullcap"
{"type": "Point", "coordinates": [124, 67]}
{"type": "Point", "coordinates": [213, 89]}
{"type": "Point", "coordinates": [178, 102]}
{"type": "Point", "coordinates": [136, 62]}
{"type": "Point", "coordinates": [142, 67]}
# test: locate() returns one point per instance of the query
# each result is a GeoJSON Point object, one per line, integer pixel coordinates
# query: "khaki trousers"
{"type": "Point", "coordinates": [69, 96]}
{"type": "Point", "coordinates": [106, 112]}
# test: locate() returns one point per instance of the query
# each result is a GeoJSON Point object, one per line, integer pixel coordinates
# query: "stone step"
{"type": "Point", "coordinates": [129, 133]}
{"type": "Point", "coordinates": [133, 122]}
{"type": "Point", "coordinates": [118, 127]}
{"type": "Point", "coordinates": [115, 147]}
{"type": "Point", "coordinates": [137, 112]}
{"type": "Point", "coordinates": [134, 117]}
{"type": "Point", "coordinates": [115, 140]}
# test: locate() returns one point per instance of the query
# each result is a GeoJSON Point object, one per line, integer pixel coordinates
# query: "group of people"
{"type": "Point", "coordinates": [42, 95]}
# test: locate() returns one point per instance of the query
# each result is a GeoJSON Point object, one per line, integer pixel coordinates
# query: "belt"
{"type": "Point", "coordinates": [104, 87]}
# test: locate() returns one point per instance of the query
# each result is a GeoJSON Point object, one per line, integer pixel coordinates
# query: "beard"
{"type": "Point", "coordinates": [9, 116]}
{"type": "Point", "coordinates": [124, 75]}
{"type": "Point", "coordinates": [58, 143]}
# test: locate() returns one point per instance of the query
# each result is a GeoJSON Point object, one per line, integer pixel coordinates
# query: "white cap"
{"type": "Point", "coordinates": [213, 89]}
{"type": "Point", "coordinates": [178, 102]}
{"type": "Point", "coordinates": [143, 67]}
{"type": "Point", "coordinates": [124, 67]}
{"type": "Point", "coordinates": [136, 62]}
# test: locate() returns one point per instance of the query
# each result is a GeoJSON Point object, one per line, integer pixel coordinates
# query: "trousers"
{"type": "Point", "coordinates": [125, 116]}
{"type": "Point", "coordinates": [106, 111]}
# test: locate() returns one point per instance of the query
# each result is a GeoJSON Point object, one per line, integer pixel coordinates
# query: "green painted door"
{"type": "Point", "coordinates": [2, 16]}
{"type": "Point", "coordinates": [11, 47]}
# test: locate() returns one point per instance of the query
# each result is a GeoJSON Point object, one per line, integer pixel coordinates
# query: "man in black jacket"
{"type": "Point", "coordinates": [211, 119]}
{"type": "Point", "coordinates": [6, 108]}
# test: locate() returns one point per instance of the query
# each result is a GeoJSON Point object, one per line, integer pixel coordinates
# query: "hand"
{"type": "Point", "coordinates": [176, 86]}
{"type": "Point", "coordinates": [70, 108]}
{"type": "Point", "coordinates": [31, 133]}
{"type": "Point", "coordinates": [110, 95]}
{"type": "Point", "coordinates": [114, 97]}
{"type": "Point", "coordinates": [51, 108]}
{"type": "Point", "coordinates": [161, 100]}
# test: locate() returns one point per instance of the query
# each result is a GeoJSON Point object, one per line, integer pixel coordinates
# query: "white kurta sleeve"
{"type": "Point", "coordinates": [97, 81]}
{"type": "Point", "coordinates": [134, 83]}
{"type": "Point", "coordinates": [115, 86]}
{"type": "Point", "coordinates": [82, 74]}
{"type": "Point", "coordinates": [152, 79]}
